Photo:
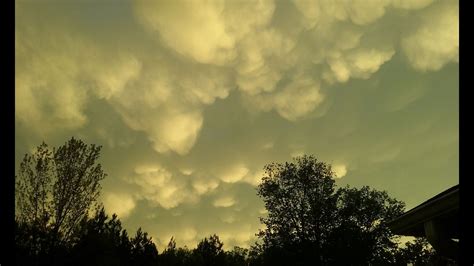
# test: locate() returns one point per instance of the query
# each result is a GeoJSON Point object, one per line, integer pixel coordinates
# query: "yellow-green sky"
{"type": "Point", "coordinates": [190, 99]}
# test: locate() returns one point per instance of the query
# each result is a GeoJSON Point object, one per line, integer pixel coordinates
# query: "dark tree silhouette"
{"type": "Point", "coordinates": [360, 226]}
{"type": "Point", "coordinates": [56, 188]}
{"type": "Point", "coordinates": [54, 191]}
{"type": "Point", "coordinates": [310, 223]}
{"type": "Point", "coordinates": [419, 252]}
{"type": "Point", "coordinates": [173, 256]}
{"type": "Point", "coordinates": [101, 241]}
{"type": "Point", "coordinates": [209, 252]}
{"type": "Point", "coordinates": [143, 250]}
{"type": "Point", "coordinates": [236, 257]}
{"type": "Point", "coordinates": [299, 197]}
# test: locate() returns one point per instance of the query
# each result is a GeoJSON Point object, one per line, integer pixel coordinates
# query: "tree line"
{"type": "Point", "coordinates": [59, 221]}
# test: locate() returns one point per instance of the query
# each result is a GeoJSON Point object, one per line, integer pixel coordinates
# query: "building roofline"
{"type": "Point", "coordinates": [411, 222]}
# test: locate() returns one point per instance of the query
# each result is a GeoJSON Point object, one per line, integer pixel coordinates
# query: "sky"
{"type": "Point", "coordinates": [190, 99]}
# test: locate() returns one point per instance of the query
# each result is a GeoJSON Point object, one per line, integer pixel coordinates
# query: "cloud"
{"type": "Point", "coordinates": [263, 53]}
{"type": "Point", "coordinates": [183, 25]}
{"type": "Point", "coordinates": [203, 187]}
{"type": "Point", "coordinates": [340, 170]}
{"type": "Point", "coordinates": [435, 41]}
{"type": "Point", "coordinates": [158, 186]}
{"type": "Point", "coordinates": [263, 58]}
{"type": "Point", "coordinates": [224, 202]}
{"type": "Point", "coordinates": [294, 101]}
{"type": "Point", "coordinates": [177, 132]}
{"type": "Point", "coordinates": [188, 234]}
{"type": "Point", "coordinates": [360, 12]}
{"type": "Point", "coordinates": [235, 174]}
{"type": "Point", "coordinates": [242, 237]}
{"type": "Point", "coordinates": [411, 4]}
{"type": "Point", "coordinates": [360, 63]}
{"type": "Point", "coordinates": [204, 31]}
{"type": "Point", "coordinates": [186, 171]}
{"type": "Point", "coordinates": [256, 178]}
{"type": "Point", "coordinates": [281, 57]}
{"type": "Point", "coordinates": [120, 204]}
{"type": "Point", "coordinates": [45, 97]}
{"type": "Point", "coordinates": [54, 85]}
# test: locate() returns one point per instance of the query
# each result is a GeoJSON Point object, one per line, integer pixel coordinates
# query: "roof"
{"type": "Point", "coordinates": [444, 206]}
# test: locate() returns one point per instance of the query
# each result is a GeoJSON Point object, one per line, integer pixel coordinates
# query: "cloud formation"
{"type": "Point", "coordinates": [224, 202]}
{"type": "Point", "coordinates": [340, 170]}
{"type": "Point", "coordinates": [158, 186]}
{"type": "Point", "coordinates": [281, 62]}
{"type": "Point", "coordinates": [435, 41]}
{"type": "Point", "coordinates": [120, 204]}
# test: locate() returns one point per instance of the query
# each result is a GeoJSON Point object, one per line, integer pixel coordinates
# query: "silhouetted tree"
{"type": "Point", "coordinates": [143, 250]}
{"type": "Point", "coordinates": [419, 252]}
{"type": "Point", "coordinates": [173, 256]}
{"type": "Point", "coordinates": [209, 252]}
{"type": "Point", "coordinates": [360, 226]}
{"type": "Point", "coordinates": [256, 254]}
{"type": "Point", "coordinates": [310, 223]}
{"type": "Point", "coordinates": [56, 188]}
{"type": "Point", "coordinates": [32, 244]}
{"type": "Point", "coordinates": [101, 241]}
{"type": "Point", "coordinates": [236, 257]}
{"type": "Point", "coordinates": [299, 197]}
{"type": "Point", "coordinates": [54, 191]}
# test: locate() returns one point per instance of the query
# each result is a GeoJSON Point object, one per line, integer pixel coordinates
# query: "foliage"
{"type": "Point", "coordinates": [419, 252]}
{"type": "Point", "coordinates": [237, 256]}
{"type": "Point", "coordinates": [143, 250]}
{"type": "Point", "coordinates": [55, 189]}
{"type": "Point", "coordinates": [173, 256]}
{"type": "Point", "coordinates": [309, 222]}
{"type": "Point", "coordinates": [101, 241]}
{"type": "Point", "coordinates": [209, 252]}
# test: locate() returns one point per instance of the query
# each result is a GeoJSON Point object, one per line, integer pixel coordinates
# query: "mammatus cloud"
{"type": "Point", "coordinates": [203, 186]}
{"type": "Point", "coordinates": [280, 62]}
{"type": "Point", "coordinates": [435, 41]}
{"type": "Point", "coordinates": [120, 204]}
{"type": "Point", "coordinates": [45, 96]}
{"type": "Point", "coordinates": [340, 170]}
{"type": "Point", "coordinates": [224, 202]}
{"type": "Point", "coordinates": [159, 187]}
{"type": "Point", "coordinates": [235, 174]}
{"type": "Point", "coordinates": [208, 31]}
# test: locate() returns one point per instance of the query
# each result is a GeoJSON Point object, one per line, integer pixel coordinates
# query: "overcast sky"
{"type": "Point", "coordinates": [191, 99]}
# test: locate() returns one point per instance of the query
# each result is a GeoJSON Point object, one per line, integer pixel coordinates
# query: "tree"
{"type": "Point", "coordinates": [173, 256]}
{"type": "Point", "coordinates": [56, 188]}
{"type": "Point", "coordinates": [101, 241]}
{"type": "Point", "coordinates": [143, 250]}
{"type": "Point", "coordinates": [360, 226]}
{"type": "Point", "coordinates": [299, 197]}
{"type": "Point", "coordinates": [310, 223]}
{"type": "Point", "coordinates": [236, 257]}
{"type": "Point", "coordinates": [209, 252]}
{"type": "Point", "coordinates": [420, 252]}
{"type": "Point", "coordinates": [54, 191]}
